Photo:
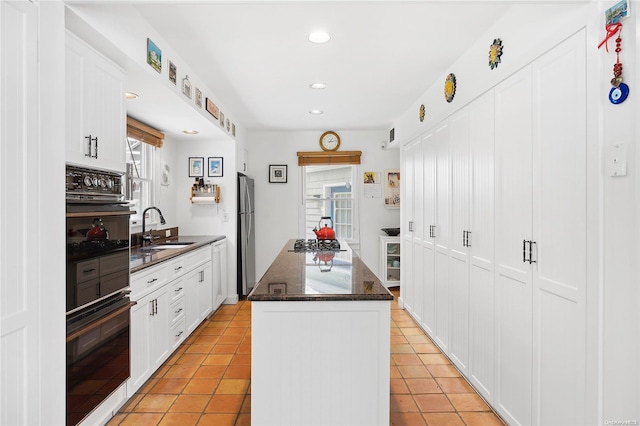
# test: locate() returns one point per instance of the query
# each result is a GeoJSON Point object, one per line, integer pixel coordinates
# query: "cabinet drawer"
{"type": "Point", "coordinates": [176, 310]}
{"type": "Point", "coordinates": [197, 257]}
{"type": "Point", "coordinates": [87, 270]}
{"type": "Point", "coordinates": [147, 279]}
{"type": "Point", "coordinates": [176, 267]}
{"type": "Point", "coordinates": [177, 290]}
{"type": "Point", "coordinates": [177, 333]}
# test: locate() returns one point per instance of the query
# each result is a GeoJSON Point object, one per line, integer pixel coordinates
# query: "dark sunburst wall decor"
{"type": "Point", "coordinates": [495, 53]}
{"type": "Point", "coordinates": [450, 87]}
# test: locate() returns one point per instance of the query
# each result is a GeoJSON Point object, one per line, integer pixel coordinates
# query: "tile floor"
{"type": "Point", "coordinates": [207, 380]}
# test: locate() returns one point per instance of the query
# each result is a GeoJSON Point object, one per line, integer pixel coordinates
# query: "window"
{"type": "Point", "coordinates": [140, 194]}
{"type": "Point", "coordinates": [328, 192]}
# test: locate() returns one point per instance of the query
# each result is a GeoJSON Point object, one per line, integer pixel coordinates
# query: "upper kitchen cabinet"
{"type": "Point", "coordinates": [242, 160]}
{"type": "Point", "coordinates": [95, 108]}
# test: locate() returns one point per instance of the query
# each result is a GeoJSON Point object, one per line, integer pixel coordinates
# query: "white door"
{"type": "Point", "coordinates": [417, 248]}
{"type": "Point", "coordinates": [481, 246]}
{"type": "Point", "coordinates": [560, 230]}
{"type": "Point", "coordinates": [407, 225]}
{"type": "Point", "coordinates": [459, 253]}
{"type": "Point", "coordinates": [513, 209]}
{"type": "Point", "coordinates": [429, 245]}
{"type": "Point", "coordinates": [441, 236]}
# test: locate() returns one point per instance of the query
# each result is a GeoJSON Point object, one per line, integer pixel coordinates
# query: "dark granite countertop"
{"type": "Point", "coordinates": [142, 258]}
{"type": "Point", "coordinates": [310, 276]}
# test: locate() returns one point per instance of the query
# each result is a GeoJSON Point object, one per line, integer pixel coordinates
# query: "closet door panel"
{"type": "Point", "coordinates": [560, 229]}
{"type": "Point", "coordinates": [441, 232]}
{"type": "Point", "coordinates": [406, 226]}
{"type": "Point", "coordinates": [459, 252]}
{"type": "Point", "coordinates": [429, 246]}
{"type": "Point", "coordinates": [513, 226]}
{"type": "Point", "coordinates": [481, 242]}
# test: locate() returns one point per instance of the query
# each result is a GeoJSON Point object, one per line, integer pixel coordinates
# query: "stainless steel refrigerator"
{"type": "Point", "coordinates": [246, 236]}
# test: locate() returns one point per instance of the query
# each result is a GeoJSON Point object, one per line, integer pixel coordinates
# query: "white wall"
{"type": "Point", "coordinates": [277, 204]}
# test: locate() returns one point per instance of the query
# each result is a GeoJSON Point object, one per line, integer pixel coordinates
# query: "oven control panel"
{"type": "Point", "coordinates": [83, 184]}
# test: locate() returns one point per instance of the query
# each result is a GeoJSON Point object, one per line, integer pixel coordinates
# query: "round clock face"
{"type": "Point", "coordinates": [329, 141]}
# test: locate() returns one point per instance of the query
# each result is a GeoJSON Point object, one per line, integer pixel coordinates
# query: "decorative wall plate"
{"type": "Point", "coordinates": [450, 87]}
{"type": "Point", "coordinates": [618, 95]}
{"type": "Point", "coordinates": [495, 52]}
{"type": "Point", "coordinates": [421, 113]}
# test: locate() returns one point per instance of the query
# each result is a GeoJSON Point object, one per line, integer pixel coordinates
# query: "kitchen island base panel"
{"type": "Point", "coordinates": [320, 363]}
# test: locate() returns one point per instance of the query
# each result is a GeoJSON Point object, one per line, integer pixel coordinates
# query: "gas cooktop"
{"type": "Point", "coordinates": [302, 245]}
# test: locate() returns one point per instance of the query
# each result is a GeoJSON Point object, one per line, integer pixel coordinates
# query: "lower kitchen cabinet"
{"type": "Point", "coordinates": [390, 261]}
{"type": "Point", "coordinates": [173, 298]}
{"type": "Point", "coordinates": [219, 273]}
{"type": "Point", "coordinates": [149, 337]}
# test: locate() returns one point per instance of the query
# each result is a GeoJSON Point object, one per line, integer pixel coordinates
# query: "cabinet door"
{"type": "Point", "coordinates": [219, 274]}
{"type": "Point", "coordinates": [408, 223]}
{"type": "Point", "coordinates": [459, 253]}
{"type": "Point", "coordinates": [159, 329]}
{"type": "Point", "coordinates": [560, 230]}
{"type": "Point", "coordinates": [442, 237]}
{"type": "Point", "coordinates": [428, 246]}
{"type": "Point", "coordinates": [513, 127]}
{"type": "Point", "coordinates": [190, 283]}
{"type": "Point", "coordinates": [141, 366]}
{"type": "Point", "coordinates": [481, 241]}
{"type": "Point", "coordinates": [94, 107]}
{"type": "Point", "coordinates": [204, 292]}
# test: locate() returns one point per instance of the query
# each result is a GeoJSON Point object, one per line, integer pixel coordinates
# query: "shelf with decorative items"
{"type": "Point", "coordinates": [202, 193]}
{"type": "Point", "coordinates": [390, 261]}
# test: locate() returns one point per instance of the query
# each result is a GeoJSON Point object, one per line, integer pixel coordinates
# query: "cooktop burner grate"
{"type": "Point", "coordinates": [316, 245]}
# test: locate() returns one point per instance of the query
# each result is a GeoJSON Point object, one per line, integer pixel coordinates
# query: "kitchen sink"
{"type": "Point", "coordinates": [170, 246]}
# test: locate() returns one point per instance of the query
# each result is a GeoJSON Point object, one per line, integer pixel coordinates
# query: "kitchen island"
{"type": "Point", "coordinates": [320, 341]}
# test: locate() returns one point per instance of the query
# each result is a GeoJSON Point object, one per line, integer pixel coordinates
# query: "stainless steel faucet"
{"type": "Point", "coordinates": [144, 215]}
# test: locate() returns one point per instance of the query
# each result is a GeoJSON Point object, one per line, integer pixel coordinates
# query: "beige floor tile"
{"type": "Point", "coordinates": [401, 348]}
{"type": "Point", "coordinates": [434, 402]}
{"type": "Point", "coordinates": [406, 359]}
{"type": "Point", "coordinates": [454, 385]}
{"type": "Point", "coordinates": [406, 419]}
{"type": "Point", "coordinates": [481, 419]}
{"type": "Point", "coordinates": [423, 385]}
{"type": "Point", "coordinates": [443, 370]}
{"type": "Point", "coordinates": [398, 386]}
{"type": "Point", "coordinates": [468, 402]}
{"type": "Point", "coordinates": [190, 403]}
{"type": "Point", "coordinates": [425, 348]}
{"type": "Point", "coordinates": [398, 339]}
{"type": "Point", "coordinates": [155, 403]}
{"type": "Point", "coordinates": [402, 404]}
{"type": "Point", "coordinates": [434, 359]}
{"type": "Point", "coordinates": [443, 419]}
{"type": "Point", "coordinates": [413, 371]}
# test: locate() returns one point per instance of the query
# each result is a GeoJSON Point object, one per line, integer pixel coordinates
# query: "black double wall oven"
{"type": "Point", "coordinates": [97, 288]}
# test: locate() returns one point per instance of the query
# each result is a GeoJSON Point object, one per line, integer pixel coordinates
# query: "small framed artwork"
{"type": "Point", "coordinates": [186, 87]}
{"type": "Point", "coordinates": [277, 288]}
{"type": "Point", "coordinates": [277, 173]}
{"type": "Point", "coordinates": [198, 98]}
{"type": "Point", "coordinates": [233, 129]}
{"type": "Point", "coordinates": [196, 167]}
{"type": "Point", "coordinates": [212, 109]}
{"type": "Point", "coordinates": [172, 72]}
{"type": "Point", "coordinates": [215, 167]}
{"type": "Point", "coordinates": [154, 55]}
{"type": "Point", "coordinates": [222, 119]}
{"type": "Point", "coordinates": [392, 188]}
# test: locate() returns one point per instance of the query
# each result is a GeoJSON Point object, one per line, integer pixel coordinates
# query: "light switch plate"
{"type": "Point", "coordinates": [617, 160]}
{"type": "Point", "coordinates": [168, 233]}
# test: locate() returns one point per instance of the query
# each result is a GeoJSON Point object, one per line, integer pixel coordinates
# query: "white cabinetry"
{"type": "Point", "coordinates": [242, 160]}
{"type": "Point", "coordinates": [219, 273]}
{"type": "Point", "coordinates": [172, 297]}
{"type": "Point", "coordinates": [499, 235]}
{"type": "Point", "coordinates": [390, 261]}
{"type": "Point", "coordinates": [95, 108]}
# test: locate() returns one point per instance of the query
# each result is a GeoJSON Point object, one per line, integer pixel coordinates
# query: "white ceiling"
{"type": "Point", "coordinates": [255, 56]}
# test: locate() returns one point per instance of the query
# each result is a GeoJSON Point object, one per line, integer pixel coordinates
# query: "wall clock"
{"type": "Point", "coordinates": [329, 141]}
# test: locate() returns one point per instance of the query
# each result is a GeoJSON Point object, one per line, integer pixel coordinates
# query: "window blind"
{"type": "Point", "coordinates": [142, 132]}
{"type": "Point", "coordinates": [307, 158]}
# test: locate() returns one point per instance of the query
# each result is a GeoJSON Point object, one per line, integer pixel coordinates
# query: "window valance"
{"type": "Point", "coordinates": [309, 158]}
{"type": "Point", "coordinates": [142, 132]}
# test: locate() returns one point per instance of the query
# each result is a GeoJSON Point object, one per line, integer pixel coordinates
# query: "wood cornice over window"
{"type": "Point", "coordinates": [309, 158]}
{"type": "Point", "coordinates": [144, 133]}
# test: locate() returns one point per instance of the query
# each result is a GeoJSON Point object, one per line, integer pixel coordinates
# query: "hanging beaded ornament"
{"type": "Point", "coordinates": [620, 90]}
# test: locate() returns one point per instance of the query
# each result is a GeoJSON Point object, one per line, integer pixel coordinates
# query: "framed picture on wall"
{"type": "Point", "coordinates": [196, 167]}
{"type": "Point", "coordinates": [392, 188]}
{"type": "Point", "coordinates": [278, 173]}
{"type": "Point", "coordinates": [215, 167]}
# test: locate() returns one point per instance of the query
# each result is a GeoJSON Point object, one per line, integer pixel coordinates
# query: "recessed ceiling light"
{"type": "Point", "coordinates": [190, 132]}
{"type": "Point", "coordinates": [131, 95]}
{"type": "Point", "coordinates": [318, 86]}
{"type": "Point", "coordinates": [319, 37]}
{"type": "Point", "coordinates": [315, 112]}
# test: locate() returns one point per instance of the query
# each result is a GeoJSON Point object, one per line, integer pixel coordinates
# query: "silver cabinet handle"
{"type": "Point", "coordinates": [410, 226]}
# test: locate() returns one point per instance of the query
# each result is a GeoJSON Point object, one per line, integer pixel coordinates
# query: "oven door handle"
{"type": "Point", "coordinates": [99, 213]}
{"type": "Point", "coordinates": [99, 322]}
